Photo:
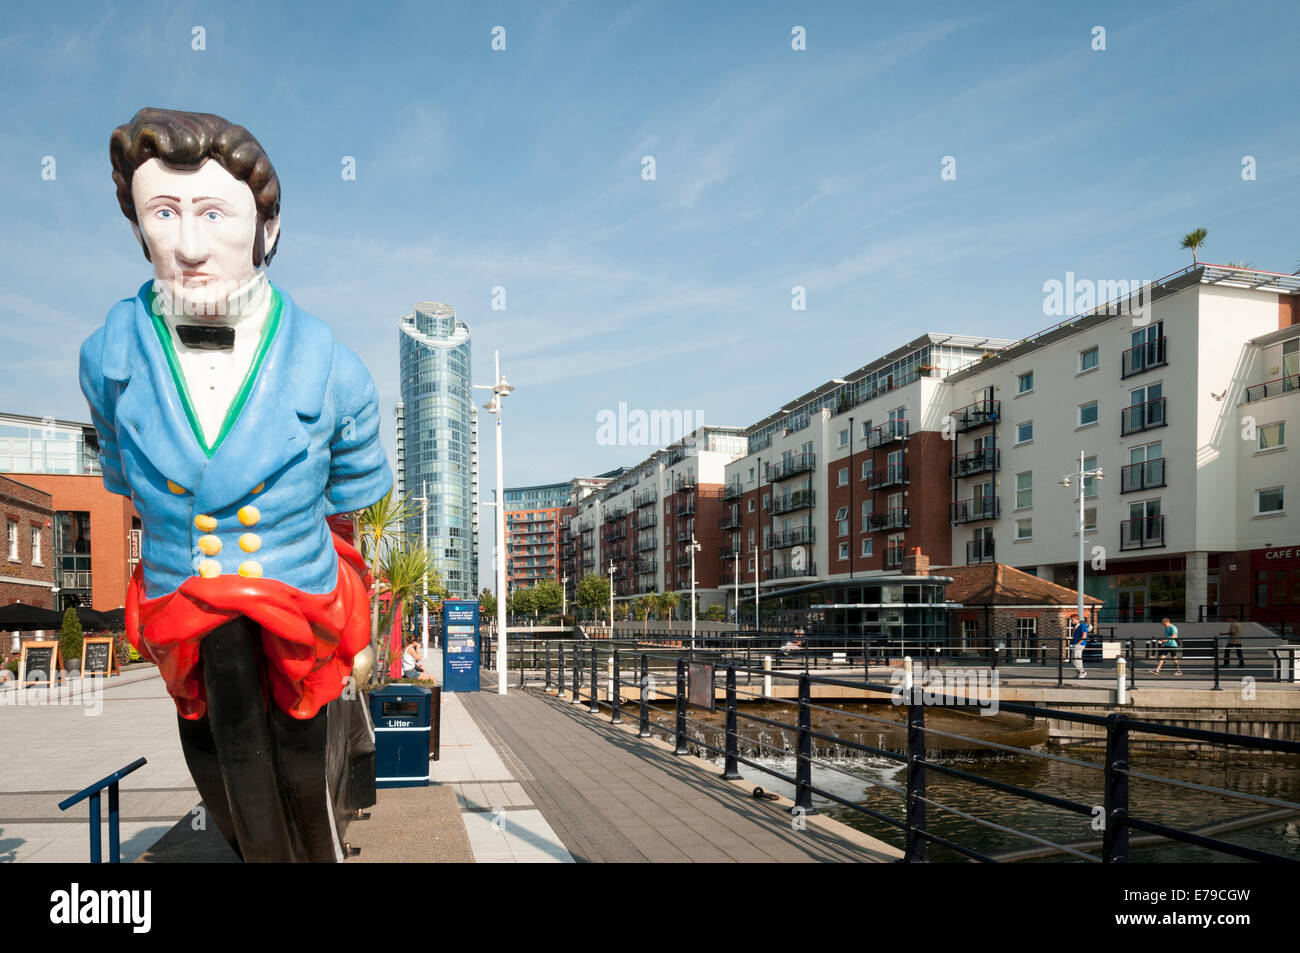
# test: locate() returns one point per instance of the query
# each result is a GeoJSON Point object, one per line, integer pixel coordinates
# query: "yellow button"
{"type": "Point", "coordinates": [209, 568]}
{"type": "Point", "coordinates": [250, 542]}
{"type": "Point", "coordinates": [175, 488]}
{"type": "Point", "coordinates": [248, 515]}
{"type": "Point", "coordinates": [251, 569]}
{"type": "Point", "coordinates": [204, 523]}
{"type": "Point", "coordinates": [259, 488]}
{"type": "Point", "coordinates": [210, 545]}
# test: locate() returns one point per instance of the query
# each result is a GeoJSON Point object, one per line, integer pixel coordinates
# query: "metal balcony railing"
{"type": "Point", "coordinates": [647, 565]}
{"type": "Point", "coordinates": [1143, 358]}
{"type": "Point", "coordinates": [979, 551]}
{"type": "Point", "coordinates": [969, 511]}
{"type": "Point", "coordinates": [790, 466]}
{"type": "Point", "coordinates": [644, 520]}
{"type": "Point", "coordinates": [1145, 416]}
{"type": "Point", "coordinates": [730, 521]}
{"type": "Point", "coordinates": [793, 501]}
{"type": "Point", "coordinates": [644, 499]}
{"type": "Point", "coordinates": [732, 491]}
{"type": "Point", "coordinates": [684, 483]}
{"type": "Point", "coordinates": [1280, 385]}
{"type": "Point", "coordinates": [887, 433]}
{"type": "Point", "coordinates": [617, 513]}
{"type": "Point", "coordinates": [647, 543]}
{"type": "Point", "coordinates": [984, 460]}
{"type": "Point", "coordinates": [895, 475]}
{"type": "Point", "coordinates": [1142, 476]}
{"type": "Point", "coordinates": [1145, 532]}
{"type": "Point", "coordinates": [790, 572]}
{"type": "Point", "coordinates": [686, 507]}
{"type": "Point", "coordinates": [795, 536]}
{"type": "Point", "coordinates": [896, 518]}
{"type": "Point", "coordinates": [982, 413]}
{"type": "Point", "coordinates": [684, 535]}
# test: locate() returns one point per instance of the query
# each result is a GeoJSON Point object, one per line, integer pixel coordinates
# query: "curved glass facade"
{"type": "Point", "coordinates": [439, 439]}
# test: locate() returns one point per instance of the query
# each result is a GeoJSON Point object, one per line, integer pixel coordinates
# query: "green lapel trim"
{"type": "Point", "coordinates": [241, 396]}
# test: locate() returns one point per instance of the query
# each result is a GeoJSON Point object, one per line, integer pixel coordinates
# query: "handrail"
{"type": "Point", "coordinates": [92, 792]}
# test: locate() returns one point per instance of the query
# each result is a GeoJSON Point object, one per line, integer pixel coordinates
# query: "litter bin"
{"type": "Point", "coordinates": [1286, 663]}
{"type": "Point", "coordinates": [403, 717]}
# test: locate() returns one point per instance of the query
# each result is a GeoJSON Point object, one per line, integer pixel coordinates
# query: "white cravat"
{"type": "Point", "coordinates": [214, 377]}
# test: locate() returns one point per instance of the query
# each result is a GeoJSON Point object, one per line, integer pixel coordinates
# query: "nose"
{"type": "Point", "coordinates": [193, 246]}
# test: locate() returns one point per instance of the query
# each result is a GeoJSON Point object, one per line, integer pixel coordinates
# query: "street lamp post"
{"type": "Point", "coordinates": [500, 389]}
{"type": "Point", "coordinates": [694, 548]}
{"type": "Point", "coordinates": [564, 594]}
{"type": "Point", "coordinates": [756, 590]}
{"type": "Point", "coordinates": [611, 598]}
{"type": "Point", "coordinates": [735, 581]}
{"type": "Point", "coordinates": [423, 500]}
{"type": "Point", "coordinates": [1081, 477]}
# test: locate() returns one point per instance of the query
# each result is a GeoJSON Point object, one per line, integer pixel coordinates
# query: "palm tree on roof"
{"type": "Point", "coordinates": [1194, 240]}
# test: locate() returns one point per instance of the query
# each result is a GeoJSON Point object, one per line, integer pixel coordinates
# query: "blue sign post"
{"type": "Point", "coordinates": [460, 645]}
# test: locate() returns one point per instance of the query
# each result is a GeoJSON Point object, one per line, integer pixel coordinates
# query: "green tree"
{"type": "Point", "coordinates": [379, 526]}
{"type": "Point", "coordinates": [548, 597]}
{"type": "Point", "coordinates": [1194, 240]}
{"type": "Point", "coordinates": [70, 637]}
{"type": "Point", "coordinates": [522, 602]}
{"type": "Point", "coordinates": [643, 606]}
{"type": "Point", "coordinates": [592, 592]}
{"type": "Point", "coordinates": [402, 571]}
{"type": "Point", "coordinates": [668, 603]}
{"type": "Point", "coordinates": [715, 613]}
{"type": "Point", "coordinates": [487, 603]}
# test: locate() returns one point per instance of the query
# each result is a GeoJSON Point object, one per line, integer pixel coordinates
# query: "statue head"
{"type": "Point", "coordinates": [202, 198]}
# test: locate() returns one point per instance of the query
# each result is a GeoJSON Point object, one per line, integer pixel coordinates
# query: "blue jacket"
{"type": "Point", "coordinates": [304, 446]}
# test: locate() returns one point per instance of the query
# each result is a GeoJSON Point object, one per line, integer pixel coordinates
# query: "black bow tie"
{"type": "Point", "coordinates": [207, 337]}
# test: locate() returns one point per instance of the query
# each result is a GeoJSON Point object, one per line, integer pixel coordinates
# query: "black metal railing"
{"type": "Point", "coordinates": [979, 551]}
{"type": "Point", "coordinates": [892, 475]}
{"type": "Point", "coordinates": [732, 491]}
{"type": "Point", "coordinates": [92, 792]}
{"type": "Point", "coordinates": [1280, 385]}
{"type": "Point", "coordinates": [794, 572]}
{"type": "Point", "coordinates": [976, 415]}
{"type": "Point", "coordinates": [799, 500]}
{"type": "Point", "coordinates": [1145, 416]}
{"type": "Point", "coordinates": [644, 499]}
{"type": "Point", "coordinates": [794, 536]}
{"type": "Point", "coordinates": [1142, 476]}
{"type": "Point", "coordinates": [896, 518]}
{"type": "Point", "coordinates": [985, 460]}
{"type": "Point", "coordinates": [978, 508]}
{"type": "Point", "coordinates": [686, 506]}
{"type": "Point", "coordinates": [790, 466]}
{"type": "Point", "coordinates": [887, 432]}
{"type": "Point", "coordinates": [631, 677]}
{"type": "Point", "coordinates": [646, 543]}
{"type": "Point", "coordinates": [1145, 532]}
{"type": "Point", "coordinates": [1143, 358]}
{"type": "Point", "coordinates": [730, 521]}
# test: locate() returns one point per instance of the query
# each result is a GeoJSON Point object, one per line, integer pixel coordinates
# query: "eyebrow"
{"type": "Point", "coordinates": [208, 198]}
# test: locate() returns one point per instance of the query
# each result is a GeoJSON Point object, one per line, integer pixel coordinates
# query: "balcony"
{"type": "Point", "coordinates": [646, 520]}
{"type": "Point", "coordinates": [789, 572]}
{"type": "Point", "coordinates": [618, 531]}
{"type": "Point", "coordinates": [1281, 385]}
{"type": "Point", "coordinates": [979, 551]}
{"type": "Point", "coordinates": [886, 433]}
{"type": "Point", "coordinates": [684, 559]}
{"type": "Point", "coordinates": [684, 535]}
{"type": "Point", "coordinates": [730, 521]}
{"type": "Point", "coordinates": [799, 500]}
{"type": "Point", "coordinates": [1142, 476]}
{"type": "Point", "coordinates": [647, 543]}
{"type": "Point", "coordinates": [973, 510]}
{"type": "Point", "coordinates": [686, 507]}
{"type": "Point", "coordinates": [893, 475]}
{"type": "Point", "coordinates": [1140, 417]}
{"type": "Point", "coordinates": [896, 518]}
{"type": "Point", "coordinates": [986, 460]}
{"type": "Point", "coordinates": [732, 491]}
{"type": "Point", "coordinates": [588, 543]}
{"type": "Point", "coordinates": [644, 499]}
{"type": "Point", "coordinates": [647, 564]}
{"type": "Point", "coordinates": [686, 482]}
{"type": "Point", "coordinates": [795, 536]}
{"type": "Point", "coordinates": [982, 413]}
{"type": "Point", "coordinates": [1145, 532]}
{"type": "Point", "coordinates": [790, 466]}
{"type": "Point", "coordinates": [1142, 358]}
{"type": "Point", "coordinates": [617, 513]}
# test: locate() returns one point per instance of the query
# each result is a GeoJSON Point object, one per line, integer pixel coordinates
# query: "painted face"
{"type": "Point", "coordinates": [199, 226]}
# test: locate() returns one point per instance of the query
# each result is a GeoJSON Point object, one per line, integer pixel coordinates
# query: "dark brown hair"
{"type": "Point", "coordinates": [186, 140]}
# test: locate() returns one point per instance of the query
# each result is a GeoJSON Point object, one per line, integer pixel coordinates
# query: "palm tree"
{"type": "Point", "coordinates": [668, 602]}
{"type": "Point", "coordinates": [402, 570]}
{"type": "Point", "coordinates": [379, 527]}
{"type": "Point", "coordinates": [1194, 240]}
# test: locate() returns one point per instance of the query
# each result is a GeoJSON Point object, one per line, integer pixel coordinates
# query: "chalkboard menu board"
{"type": "Point", "coordinates": [699, 685]}
{"type": "Point", "coordinates": [39, 662]}
{"type": "Point", "coordinates": [98, 657]}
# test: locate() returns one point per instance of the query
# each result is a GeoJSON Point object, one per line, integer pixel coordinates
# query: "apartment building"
{"type": "Point", "coordinates": [644, 529]}
{"type": "Point", "coordinates": [539, 544]}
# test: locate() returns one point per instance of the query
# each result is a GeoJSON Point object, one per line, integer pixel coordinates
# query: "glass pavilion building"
{"type": "Point", "coordinates": [438, 440]}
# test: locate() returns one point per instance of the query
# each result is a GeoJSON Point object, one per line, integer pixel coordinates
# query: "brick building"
{"type": "Point", "coordinates": [28, 573]}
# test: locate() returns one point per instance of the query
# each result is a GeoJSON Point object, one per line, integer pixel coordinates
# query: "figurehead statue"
{"type": "Point", "coordinates": [244, 433]}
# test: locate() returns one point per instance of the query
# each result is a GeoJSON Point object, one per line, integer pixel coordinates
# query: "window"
{"type": "Point", "coordinates": [751, 480]}
{"type": "Point", "coordinates": [844, 437]}
{"type": "Point", "coordinates": [1088, 413]}
{"type": "Point", "coordinates": [1024, 490]}
{"type": "Point", "coordinates": [1266, 501]}
{"type": "Point", "coordinates": [866, 546]}
{"type": "Point", "coordinates": [751, 539]}
{"type": "Point", "coordinates": [13, 541]}
{"type": "Point", "coordinates": [1271, 436]}
{"type": "Point", "coordinates": [1090, 484]}
{"type": "Point", "coordinates": [1025, 432]}
{"type": "Point", "coordinates": [1026, 636]}
{"type": "Point", "coordinates": [1025, 529]}
{"type": "Point", "coordinates": [866, 428]}
{"type": "Point", "coordinates": [844, 551]}
{"type": "Point", "coordinates": [866, 469]}
{"type": "Point", "coordinates": [842, 521]}
{"type": "Point", "coordinates": [1088, 359]}
{"type": "Point", "coordinates": [843, 477]}
{"type": "Point", "coordinates": [867, 506]}
{"type": "Point", "coordinates": [36, 546]}
{"type": "Point", "coordinates": [1090, 519]}
{"type": "Point", "coordinates": [766, 502]}
{"type": "Point", "coordinates": [751, 504]}
{"type": "Point", "coordinates": [1025, 382]}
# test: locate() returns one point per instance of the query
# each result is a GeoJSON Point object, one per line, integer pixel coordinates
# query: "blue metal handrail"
{"type": "Point", "coordinates": [92, 792]}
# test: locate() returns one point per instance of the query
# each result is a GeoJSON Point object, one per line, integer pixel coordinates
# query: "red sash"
{"type": "Point", "coordinates": [309, 640]}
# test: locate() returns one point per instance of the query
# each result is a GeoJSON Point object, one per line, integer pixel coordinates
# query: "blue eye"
{"type": "Point", "coordinates": [213, 216]}
{"type": "Point", "coordinates": [164, 213]}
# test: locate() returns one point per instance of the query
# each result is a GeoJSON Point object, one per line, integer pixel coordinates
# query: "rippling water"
{"type": "Point", "coordinates": [1151, 801]}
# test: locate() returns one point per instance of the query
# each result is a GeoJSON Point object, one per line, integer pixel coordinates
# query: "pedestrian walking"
{"type": "Point", "coordinates": [1234, 642]}
{"type": "Point", "coordinates": [1078, 642]}
{"type": "Point", "coordinates": [1169, 647]}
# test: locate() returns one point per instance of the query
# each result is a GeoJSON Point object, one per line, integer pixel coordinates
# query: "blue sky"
{"type": "Point", "coordinates": [775, 168]}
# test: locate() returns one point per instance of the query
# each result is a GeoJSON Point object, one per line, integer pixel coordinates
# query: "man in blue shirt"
{"type": "Point", "coordinates": [1078, 642]}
